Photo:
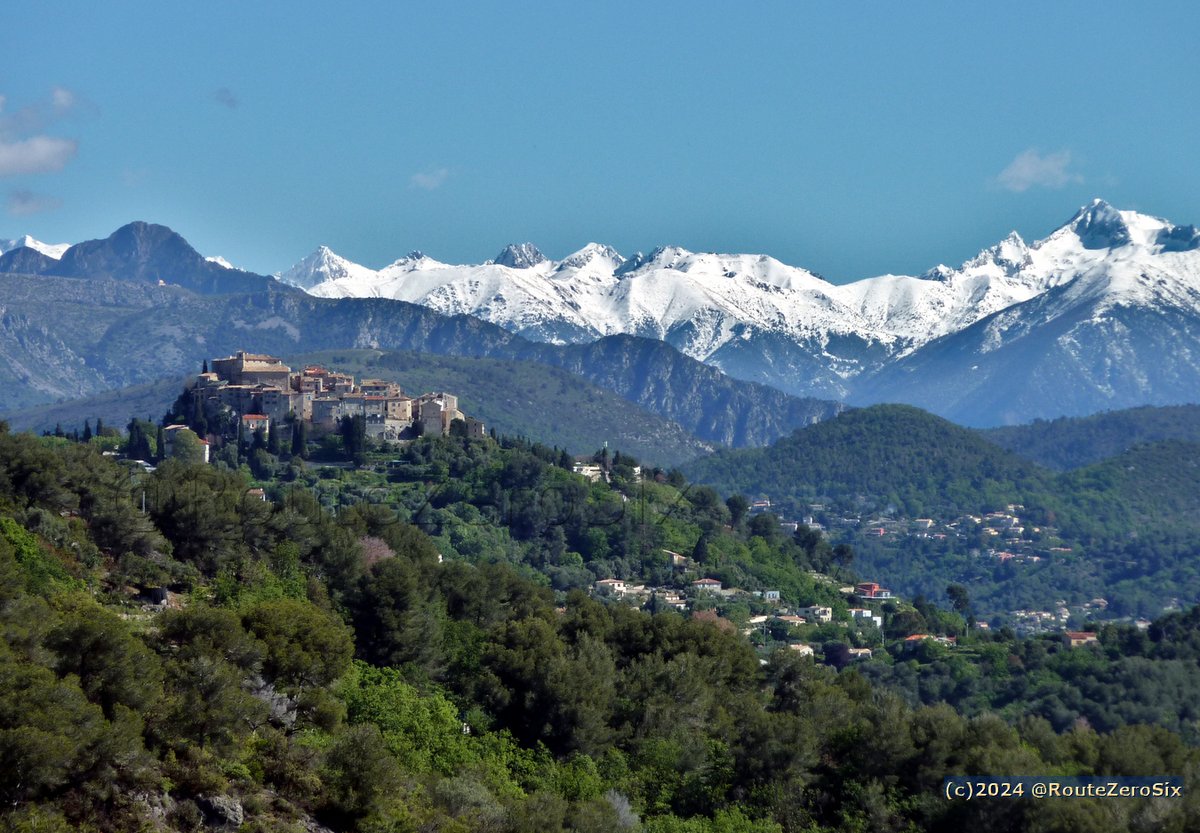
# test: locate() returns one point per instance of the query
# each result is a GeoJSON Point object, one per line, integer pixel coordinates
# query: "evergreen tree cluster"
{"type": "Point", "coordinates": [306, 667]}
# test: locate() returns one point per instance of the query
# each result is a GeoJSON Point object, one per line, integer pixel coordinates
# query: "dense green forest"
{"type": "Point", "coordinates": [1072, 442]}
{"type": "Point", "coordinates": [404, 650]}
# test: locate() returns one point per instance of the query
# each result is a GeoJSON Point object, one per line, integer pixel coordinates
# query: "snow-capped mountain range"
{"type": "Point", "coordinates": [760, 319]}
{"type": "Point", "coordinates": [1102, 313]}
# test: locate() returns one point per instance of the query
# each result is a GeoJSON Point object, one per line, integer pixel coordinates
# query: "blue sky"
{"type": "Point", "coordinates": [852, 139]}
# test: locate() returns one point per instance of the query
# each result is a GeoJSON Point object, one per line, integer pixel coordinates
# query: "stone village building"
{"type": "Point", "coordinates": [262, 391]}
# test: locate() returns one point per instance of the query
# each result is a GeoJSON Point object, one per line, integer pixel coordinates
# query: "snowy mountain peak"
{"type": "Point", "coordinates": [54, 250]}
{"type": "Point", "coordinates": [322, 265]}
{"type": "Point", "coordinates": [1100, 226]}
{"type": "Point", "coordinates": [668, 257]}
{"type": "Point", "coordinates": [220, 261]}
{"type": "Point", "coordinates": [603, 255]}
{"type": "Point", "coordinates": [1011, 255]}
{"type": "Point", "coordinates": [520, 256]}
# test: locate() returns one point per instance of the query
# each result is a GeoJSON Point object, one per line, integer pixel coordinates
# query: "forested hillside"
{"type": "Point", "coordinates": [1072, 442]}
{"type": "Point", "coordinates": [884, 455]}
{"type": "Point", "coordinates": [306, 670]}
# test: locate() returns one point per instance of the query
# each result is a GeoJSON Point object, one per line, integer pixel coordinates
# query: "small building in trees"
{"type": "Point", "coordinates": [252, 422]}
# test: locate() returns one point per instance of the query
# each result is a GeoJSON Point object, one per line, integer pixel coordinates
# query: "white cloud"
{"type": "Point", "coordinates": [1031, 169]}
{"type": "Point", "coordinates": [23, 203]}
{"type": "Point", "coordinates": [64, 100]}
{"type": "Point", "coordinates": [35, 155]}
{"type": "Point", "coordinates": [24, 146]}
{"type": "Point", "coordinates": [430, 180]}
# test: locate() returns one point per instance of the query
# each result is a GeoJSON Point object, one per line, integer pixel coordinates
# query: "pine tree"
{"type": "Point", "coordinates": [298, 439]}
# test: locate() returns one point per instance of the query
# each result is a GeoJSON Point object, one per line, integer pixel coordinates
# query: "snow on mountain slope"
{"type": "Point", "coordinates": [323, 266]}
{"type": "Point", "coordinates": [715, 307]}
{"type": "Point", "coordinates": [54, 250]}
{"type": "Point", "coordinates": [1116, 324]}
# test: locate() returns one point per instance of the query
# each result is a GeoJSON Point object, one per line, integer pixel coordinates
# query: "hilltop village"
{"type": "Point", "coordinates": [251, 393]}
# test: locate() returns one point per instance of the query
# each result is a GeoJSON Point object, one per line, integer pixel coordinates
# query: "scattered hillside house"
{"type": "Point", "coordinates": [915, 639]}
{"type": "Point", "coordinates": [792, 620]}
{"type": "Point", "coordinates": [801, 649]}
{"type": "Point", "coordinates": [678, 560]}
{"type": "Point", "coordinates": [709, 585]}
{"type": "Point", "coordinates": [858, 654]}
{"type": "Point", "coordinates": [817, 613]}
{"type": "Point", "coordinates": [614, 586]}
{"type": "Point", "coordinates": [671, 598]}
{"type": "Point", "coordinates": [256, 494]}
{"type": "Point", "coordinates": [591, 471]}
{"type": "Point", "coordinates": [1074, 639]}
{"type": "Point", "coordinates": [866, 615]}
{"type": "Point", "coordinates": [871, 590]}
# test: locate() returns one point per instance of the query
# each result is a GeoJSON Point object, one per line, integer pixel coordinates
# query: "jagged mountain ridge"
{"type": "Point", "coordinates": [759, 319]}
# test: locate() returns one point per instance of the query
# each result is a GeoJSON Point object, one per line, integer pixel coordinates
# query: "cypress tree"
{"type": "Point", "coordinates": [87, 430]}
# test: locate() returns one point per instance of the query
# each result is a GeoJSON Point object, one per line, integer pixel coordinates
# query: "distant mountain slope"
{"type": "Point", "coordinates": [883, 454]}
{"type": "Point", "coordinates": [141, 253]}
{"type": "Point", "coordinates": [149, 400]}
{"type": "Point", "coordinates": [68, 337]}
{"type": "Point", "coordinates": [705, 401]}
{"type": "Point", "coordinates": [1072, 442]}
